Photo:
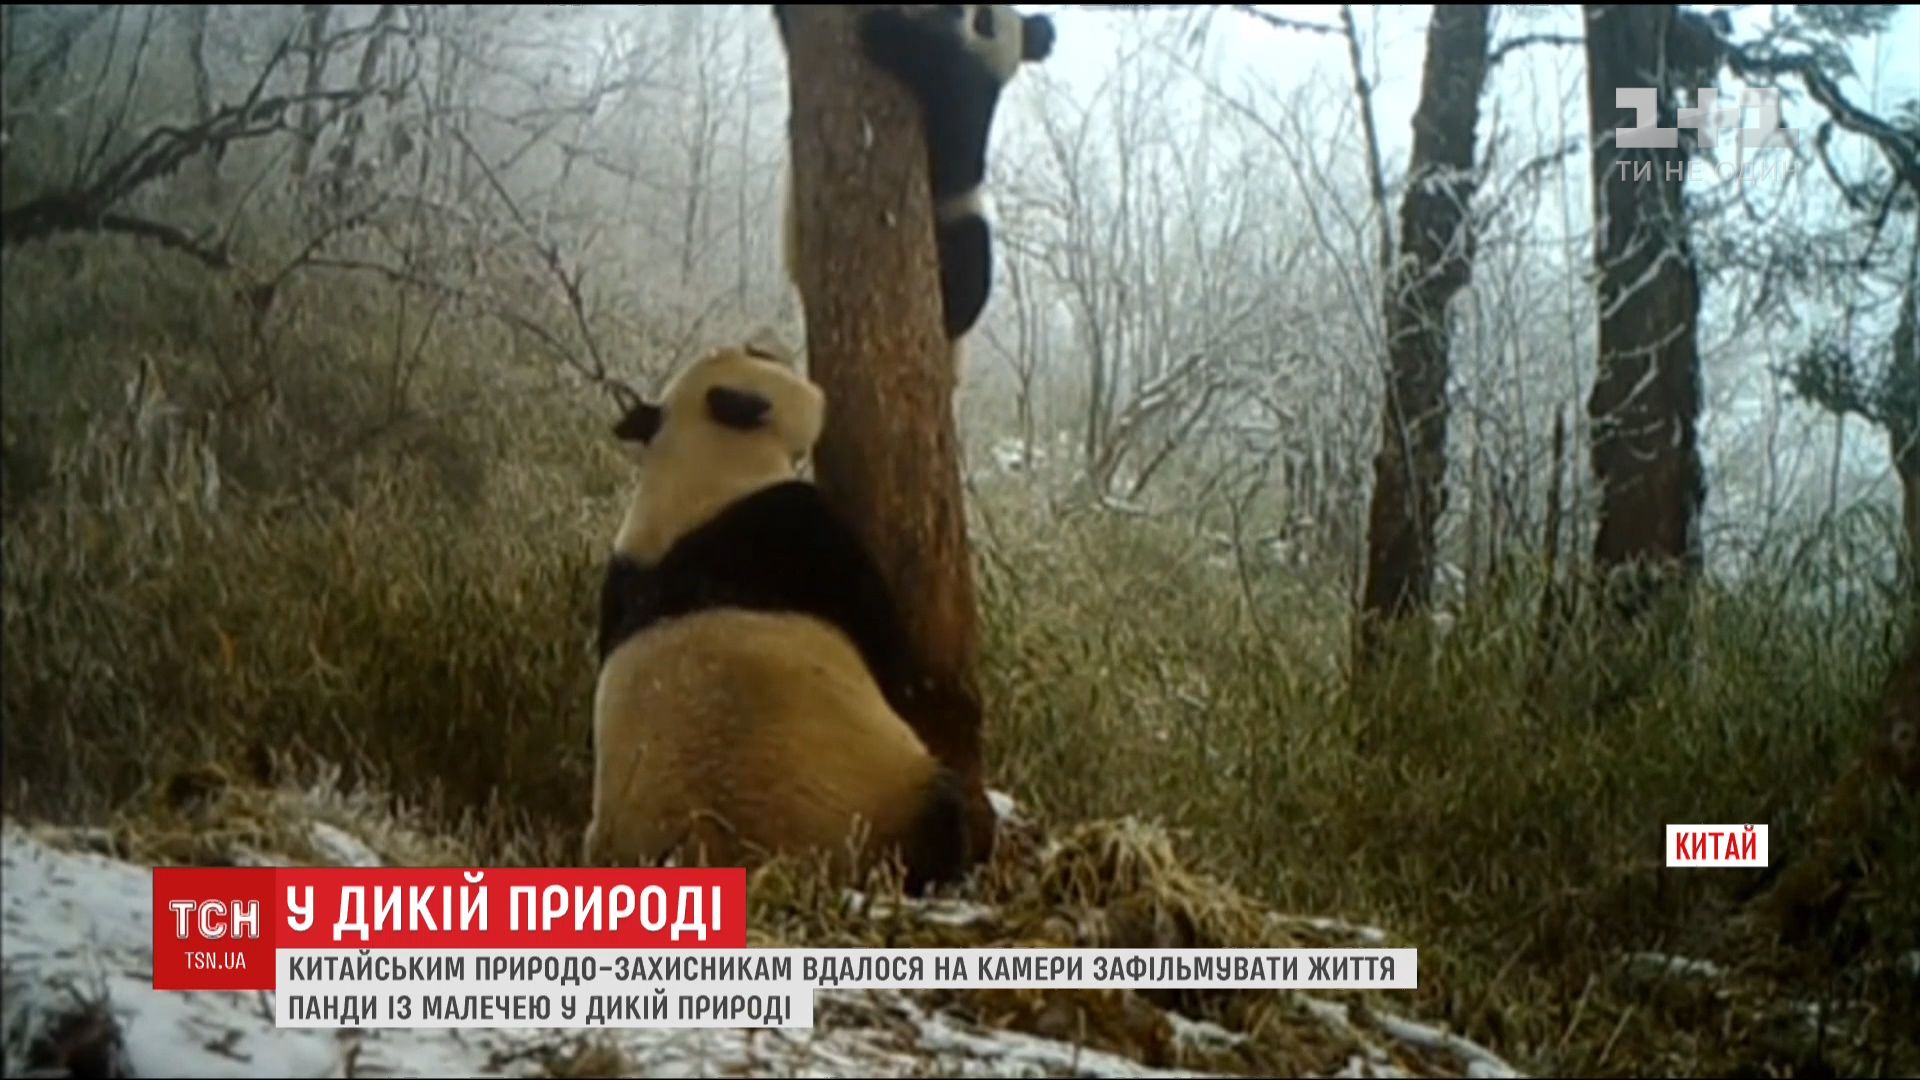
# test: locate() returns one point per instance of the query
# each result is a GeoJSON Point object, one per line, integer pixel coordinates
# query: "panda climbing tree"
{"type": "Point", "coordinates": [866, 263]}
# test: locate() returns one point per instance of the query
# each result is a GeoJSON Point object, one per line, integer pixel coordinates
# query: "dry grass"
{"type": "Point", "coordinates": [407, 591]}
{"type": "Point", "coordinates": [1510, 829]}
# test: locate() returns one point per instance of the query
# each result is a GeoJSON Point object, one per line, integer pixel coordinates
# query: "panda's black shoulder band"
{"type": "Point", "coordinates": [780, 549]}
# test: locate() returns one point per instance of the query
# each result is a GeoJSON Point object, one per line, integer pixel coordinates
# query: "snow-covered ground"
{"type": "Point", "coordinates": [78, 1001]}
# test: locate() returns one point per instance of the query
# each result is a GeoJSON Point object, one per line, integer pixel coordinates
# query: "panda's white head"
{"type": "Point", "coordinates": [734, 421]}
{"type": "Point", "coordinates": [995, 34]}
{"type": "Point", "coordinates": [1001, 37]}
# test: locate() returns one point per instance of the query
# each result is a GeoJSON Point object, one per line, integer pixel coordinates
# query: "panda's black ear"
{"type": "Point", "coordinates": [740, 409]}
{"type": "Point", "coordinates": [640, 425]}
{"type": "Point", "coordinates": [1036, 38]}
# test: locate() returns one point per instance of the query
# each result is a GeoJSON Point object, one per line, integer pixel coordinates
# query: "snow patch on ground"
{"type": "Point", "coordinates": [1656, 965]}
{"type": "Point", "coordinates": [77, 928]}
{"type": "Point", "coordinates": [1479, 1062]}
{"type": "Point", "coordinates": [77, 948]}
{"type": "Point", "coordinates": [343, 848]}
{"type": "Point", "coordinates": [1365, 935]}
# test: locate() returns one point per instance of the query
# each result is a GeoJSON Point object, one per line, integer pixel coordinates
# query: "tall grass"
{"type": "Point", "coordinates": [1513, 828]}
{"type": "Point", "coordinates": [405, 586]}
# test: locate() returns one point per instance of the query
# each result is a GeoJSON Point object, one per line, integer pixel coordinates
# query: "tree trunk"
{"type": "Point", "coordinates": [1435, 263]}
{"type": "Point", "coordinates": [342, 184]}
{"type": "Point", "coordinates": [204, 169]}
{"type": "Point", "coordinates": [1646, 395]}
{"type": "Point", "coordinates": [1901, 412]}
{"type": "Point", "coordinates": [870, 288]}
{"type": "Point", "coordinates": [1906, 463]}
{"type": "Point", "coordinates": [1818, 869]}
{"type": "Point", "coordinates": [1898, 733]}
{"type": "Point", "coordinates": [314, 20]}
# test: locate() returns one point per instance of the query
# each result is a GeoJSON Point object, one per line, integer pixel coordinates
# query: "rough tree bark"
{"type": "Point", "coordinates": [1435, 262]}
{"type": "Point", "coordinates": [869, 285]}
{"type": "Point", "coordinates": [1901, 413]}
{"type": "Point", "coordinates": [1646, 396]}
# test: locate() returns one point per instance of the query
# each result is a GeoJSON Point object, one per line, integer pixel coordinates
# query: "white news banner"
{"type": "Point", "coordinates": [733, 988]}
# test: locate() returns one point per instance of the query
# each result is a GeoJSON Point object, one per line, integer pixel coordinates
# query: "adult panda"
{"type": "Point", "coordinates": [701, 531]}
{"type": "Point", "coordinates": [955, 59]}
{"type": "Point", "coordinates": [737, 712]}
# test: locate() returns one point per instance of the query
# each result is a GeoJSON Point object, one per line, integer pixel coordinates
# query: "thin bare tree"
{"type": "Point", "coordinates": [1435, 262]}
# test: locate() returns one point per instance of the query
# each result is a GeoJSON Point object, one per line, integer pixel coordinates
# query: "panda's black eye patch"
{"type": "Point", "coordinates": [640, 425]}
{"type": "Point", "coordinates": [737, 408]}
{"type": "Point", "coordinates": [983, 20]}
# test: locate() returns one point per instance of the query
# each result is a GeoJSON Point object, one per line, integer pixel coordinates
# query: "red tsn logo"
{"type": "Point", "coordinates": [213, 929]}
{"type": "Point", "coordinates": [225, 929]}
{"type": "Point", "coordinates": [213, 923]}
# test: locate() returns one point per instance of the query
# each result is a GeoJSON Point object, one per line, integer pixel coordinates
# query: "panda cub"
{"type": "Point", "coordinates": [737, 713]}
{"type": "Point", "coordinates": [955, 59]}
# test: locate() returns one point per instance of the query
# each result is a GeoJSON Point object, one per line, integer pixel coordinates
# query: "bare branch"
{"type": "Point", "coordinates": [1376, 172]}
{"type": "Point", "coordinates": [1525, 41]}
{"type": "Point", "coordinates": [615, 387]}
{"type": "Point", "coordinates": [57, 214]}
{"type": "Point", "coordinates": [550, 255]}
{"type": "Point", "coordinates": [161, 151]}
{"type": "Point", "coordinates": [1900, 147]}
{"type": "Point", "coordinates": [134, 69]}
{"type": "Point", "coordinates": [1281, 22]}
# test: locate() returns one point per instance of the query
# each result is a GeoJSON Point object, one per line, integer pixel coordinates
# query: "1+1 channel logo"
{"type": "Point", "coordinates": [1709, 120]}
